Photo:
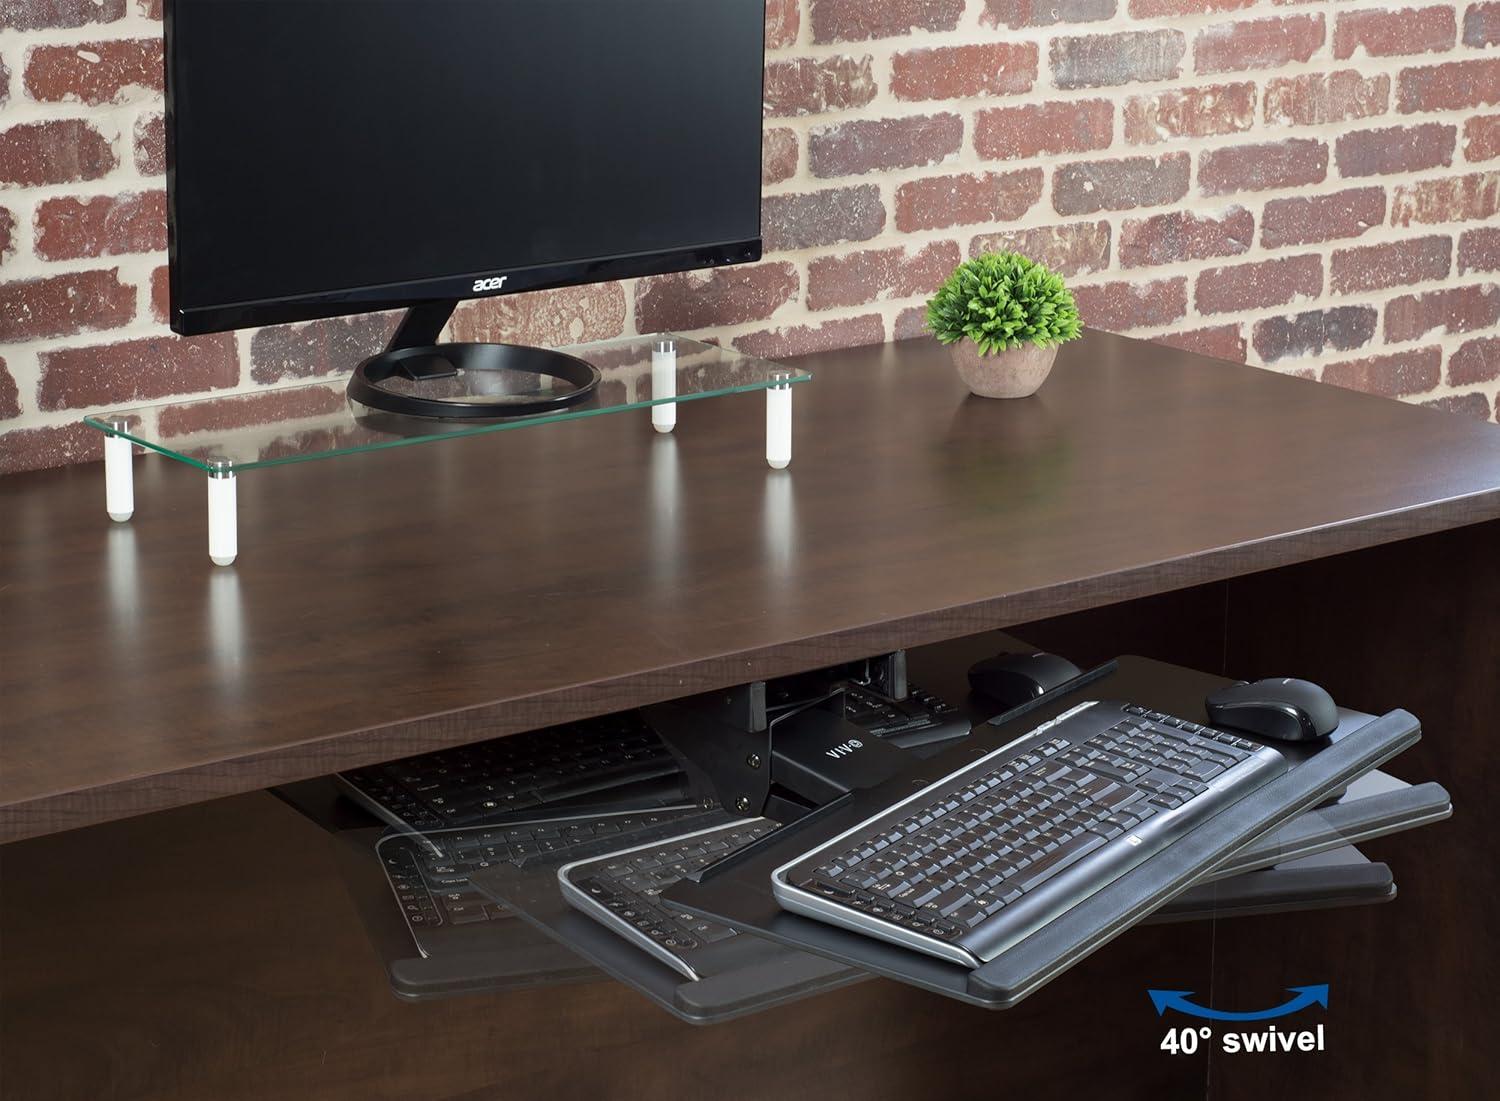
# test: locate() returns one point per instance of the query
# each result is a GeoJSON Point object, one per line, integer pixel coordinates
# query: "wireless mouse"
{"type": "Point", "coordinates": [1012, 679]}
{"type": "Point", "coordinates": [1283, 709]}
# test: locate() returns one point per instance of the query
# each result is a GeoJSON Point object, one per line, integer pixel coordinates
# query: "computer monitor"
{"type": "Point", "coordinates": [329, 157]}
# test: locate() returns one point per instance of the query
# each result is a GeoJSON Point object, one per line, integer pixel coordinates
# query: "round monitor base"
{"type": "Point", "coordinates": [482, 369]}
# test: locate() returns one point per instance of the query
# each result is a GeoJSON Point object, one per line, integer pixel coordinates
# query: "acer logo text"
{"type": "Point", "coordinates": [492, 284]}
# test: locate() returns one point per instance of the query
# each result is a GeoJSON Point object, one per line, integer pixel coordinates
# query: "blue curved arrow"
{"type": "Point", "coordinates": [1178, 1000]}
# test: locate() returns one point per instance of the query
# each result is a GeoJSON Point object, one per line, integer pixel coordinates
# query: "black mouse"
{"type": "Point", "coordinates": [1283, 709]}
{"type": "Point", "coordinates": [1012, 679]}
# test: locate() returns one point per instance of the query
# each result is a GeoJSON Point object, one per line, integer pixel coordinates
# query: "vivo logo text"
{"type": "Point", "coordinates": [493, 284]}
{"type": "Point", "coordinates": [844, 749]}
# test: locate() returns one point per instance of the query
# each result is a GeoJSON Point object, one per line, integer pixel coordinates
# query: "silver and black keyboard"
{"type": "Point", "coordinates": [977, 861]}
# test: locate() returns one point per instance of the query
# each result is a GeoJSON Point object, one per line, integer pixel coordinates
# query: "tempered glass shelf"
{"type": "Point", "coordinates": [317, 420]}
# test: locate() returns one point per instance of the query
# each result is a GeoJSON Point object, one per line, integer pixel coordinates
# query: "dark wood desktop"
{"type": "Point", "coordinates": [1147, 500]}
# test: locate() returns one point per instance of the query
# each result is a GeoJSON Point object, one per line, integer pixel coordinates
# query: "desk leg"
{"type": "Point", "coordinates": [664, 384]}
{"type": "Point", "coordinates": [779, 426]}
{"type": "Point", "coordinates": [119, 478]}
{"type": "Point", "coordinates": [223, 522]}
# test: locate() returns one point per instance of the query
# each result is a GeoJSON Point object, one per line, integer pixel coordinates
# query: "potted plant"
{"type": "Point", "coordinates": [1004, 315]}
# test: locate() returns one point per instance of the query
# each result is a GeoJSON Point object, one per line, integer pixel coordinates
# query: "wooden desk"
{"type": "Point", "coordinates": [1147, 500]}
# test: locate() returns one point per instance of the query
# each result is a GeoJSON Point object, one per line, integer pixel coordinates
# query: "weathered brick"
{"type": "Point", "coordinates": [855, 278]}
{"type": "Point", "coordinates": [952, 72]}
{"type": "Point", "coordinates": [1217, 341]}
{"type": "Point", "coordinates": [1313, 332]}
{"type": "Point", "coordinates": [1481, 138]}
{"type": "Point", "coordinates": [1108, 60]}
{"type": "Point", "coordinates": [1124, 184]}
{"type": "Point", "coordinates": [1479, 250]}
{"type": "Point", "coordinates": [61, 305]}
{"type": "Point", "coordinates": [859, 20]}
{"type": "Point", "coordinates": [719, 296]}
{"type": "Point", "coordinates": [1311, 99]}
{"type": "Point", "coordinates": [941, 201]}
{"type": "Point", "coordinates": [796, 340]}
{"type": "Point", "coordinates": [1475, 361]}
{"type": "Point", "coordinates": [7, 234]}
{"type": "Point", "coordinates": [1453, 86]}
{"type": "Point", "coordinates": [1016, 14]}
{"type": "Point", "coordinates": [94, 72]}
{"type": "Point", "coordinates": [1077, 126]}
{"type": "Point", "coordinates": [567, 315]}
{"type": "Point", "coordinates": [247, 410]}
{"type": "Point", "coordinates": [1181, 235]}
{"type": "Point", "coordinates": [33, 15]}
{"type": "Point", "coordinates": [1122, 306]}
{"type": "Point", "coordinates": [150, 144]}
{"type": "Point", "coordinates": [1473, 404]}
{"type": "Point", "coordinates": [1294, 162]}
{"type": "Point", "coordinates": [10, 397]}
{"type": "Point", "coordinates": [1070, 249]}
{"type": "Point", "coordinates": [1392, 264]}
{"type": "Point", "coordinates": [4, 82]}
{"type": "Point", "coordinates": [1190, 113]}
{"type": "Point", "coordinates": [104, 225]}
{"type": "Point", "coordinates": [910, 323]}
{"type": "Point", "coordinates": [1266, 283]}
{"type": "Point", "coordinates": [317, 347]}
{"type": "Point", "coordinates": [1257, 43]}
{"type": "Point", "coordinates": [1450, 199]}
{"type": "Point", "coordinates": [136, 370]}
{"type": "Point", "coordinates": [1451, 310]}
{"type": "Point", "coordinates": [862, 146]}
{"type": "Point", "coordinates": [161, 294]}
{"type": "Point", "coordinates": [813, 85]}
{"type": "Point", "coordinates": [778, 155]}
{"type": "Point", "coordinates": [783, 21]}
{"type": "Point", "coordinates": [1482, 24]}
{"type": "Point", "coordinates": [1305, 220]}
{"type": "Point", "coordinates": [41, 448]}
{"type": "Point", "coordinates": [151, 9]}
{"type": "Point", "coordinates": [1397, 375]}
{"type": "Point", "coordinates": [55, 151]}
{"type": "Point", "coordinates": [817, 218]}
{"type": "Point", "coordinates": [1158, 9]}
{"type": "Point", "coordinates": [1386, 32]}
{"type": "Point", "coordinates": [1396, 149]}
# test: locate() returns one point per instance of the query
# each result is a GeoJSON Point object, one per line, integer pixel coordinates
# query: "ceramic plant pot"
{"type": "Point", "coordinates": [1013, 373]}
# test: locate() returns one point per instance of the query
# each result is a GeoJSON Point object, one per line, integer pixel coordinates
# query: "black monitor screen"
{"type": "Point", "coordinates": [334, 156]}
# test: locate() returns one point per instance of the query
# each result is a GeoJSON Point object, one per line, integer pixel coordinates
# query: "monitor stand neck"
{"type": "Point", "coordinates": [422, 325]}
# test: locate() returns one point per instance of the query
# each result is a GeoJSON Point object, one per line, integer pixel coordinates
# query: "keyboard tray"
{"type": "Point", "coordinates": [1337, 877]}
{"type": "Point", "coordinates": [737, 892]}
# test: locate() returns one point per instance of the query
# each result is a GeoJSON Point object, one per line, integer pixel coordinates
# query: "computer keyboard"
{"type": "Point", "coordinates": [621, 892]}
{"type": "Point", "coordinates": [975, 862]}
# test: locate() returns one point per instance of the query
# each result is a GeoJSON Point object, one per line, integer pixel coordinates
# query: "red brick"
{"type": "Point", "coordinates": [1479, 250]}
{"type": "Point", "coordinates": [719, 296]}
{"type": "Point", "coordinates": [7, 234]}
{"type": "Point", "coordinates": [1016, 14]}
{"type": "Point", "coordinates": [1313, 332]}
{"type": "Point", "coordinates": [778, 155]}
{"type": "Point", "coordinates": [1121, 306]}
{"type": "Point", "coordinates": [61, 305]}
{"type": "Point", "coordinates": [4, 81]}
{"type": "Point", "coordinates": [94, 72]}
{"type": "Point", "coordinates": [1108, 60]}
{"type": "Point", "coordinates": [951, 72]}
{"type": "Point", "coordinates": [783, 21]}
{"type": "Point", "coordinates": [1393, 264]}
{"type": "Point", "coordinates": [151, 9]}
{"type": "Point", "coordinates": [1452, 310]}
{"type": "Point", "coordinates": [1074, 248]}
{"type": "Point", "coordinates": [1396, 149]}
{"type": "Point", "coordinates": [941, 201]}
{"type": "Point", "coordinates": [1218, 342]}
{"type": "Point", "coordinates": [1454, 86]}
{"type": "Point", "coordinates": [817, 218]}
{"type": "Point", "coordinates": [55, 151]}
{"type": "Point", "coordinates": [811, 86]}
{"type": "Point", "coordinates": [862, 146]}
{"type": "Point", "coordinates": [1157, 9]}
{"type": "Point", "coordinates": [1089, 186]}
{"type": "Point", "coordinates": [1077, 126]}
{"type": "Point", "coordinates": [105, 225]}
{"type": "Point", "coordinates": [1481, 138]}
{"type": "Point", "coordinates": [32, 15]}
{"type": "Point", "coordinates": [1294, 162]}
{"type": "Point", "coordinates": [1267, 283]}
{"type": "Point", "coordinates": [855, 278]}
{"type": "Point", "coordinates": [1311, 99]}
{"type": "Point", "coordinates": [10, 397]}
{"type": "Point", "coordinates": [910, 323]}
{"type": "Point", "coordinates": [796, 340]}
{"type": "Point", "coordinates": [567, 315]}
{"type": "Point", "coordinates": [136, 370]}
{"type": "Point", "coordinates": [1303, 221]}
{"type": "Point", "coordinates": [1190, 113]}
{"type": "Point", "coordinates": [24, 449]}
{"type": "Point", "coordinates": [1389, 32]}
{"type": "Point", "coordinates": [1475, 361]}
{"type": "Point", "coordinates": [1257, 43]}
{"type": "Point", "coordinates": [160, 294]}
{"type": "Point", "coordinates": [1451, 199]}
{"type": "Point", "coordinates": [318, 347]}
{"type": "Point", "coordinates": [1474, 405]}
{"type": "Point", "coordinates": [150, 145]}
{"type": "Point", "coordinates": [860, 20]}
{"type": "Point", "coordinates": [1482, 24]}
{"type": "Point", "coordinates": [1180, 235]}
{"type": "Point", "coordinates": [1394, 376]}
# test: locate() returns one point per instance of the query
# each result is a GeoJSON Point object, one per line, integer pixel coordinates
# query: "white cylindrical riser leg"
{"type": "Point", "coordinates": [119, 479]}
{"type": "Point", "coordinates": [664, 385]}
{"type": "Point", "coordinates": [223, 523]}
{"type": "Point", "coordinates": [779, 426]}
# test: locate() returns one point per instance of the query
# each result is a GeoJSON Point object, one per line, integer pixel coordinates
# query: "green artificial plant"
{"type": "Point", "coordinates": [1002, 300]}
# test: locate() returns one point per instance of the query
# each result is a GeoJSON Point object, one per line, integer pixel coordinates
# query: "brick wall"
{"type": "Point", "coordinates": [1314, 187]}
